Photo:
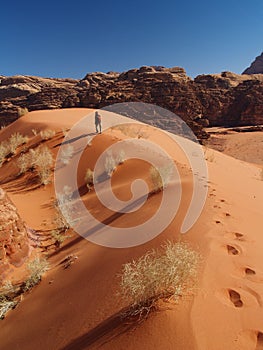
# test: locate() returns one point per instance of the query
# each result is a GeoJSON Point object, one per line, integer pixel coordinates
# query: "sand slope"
{"type": "Point", "coordinates": [77, 307]}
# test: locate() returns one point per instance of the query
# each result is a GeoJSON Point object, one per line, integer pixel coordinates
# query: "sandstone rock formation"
{"type": "Point", "coordinates": [220, 99]}
{"type": "Point", "coordinates": [256, 67]}
{"type": "Point", "coordinates": [14, 244]}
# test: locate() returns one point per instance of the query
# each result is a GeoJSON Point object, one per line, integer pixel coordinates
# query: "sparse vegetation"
{"type": "Point", "coordinates": [8, 147]}
{"type": "Point", "coordinates": [209, 155]}
{"type": "Point", "coordinates": [37, 268]}
{"type": "Point", "coordinates": [66, 154]}
{"type": "Point", "coordinates": [64, 131]}
{"type": "Point", "coordinates": [16, 140]}
{"type": "Point", "coordinates": [5, 305]}
{"type": "Point", "coordinates": [160, 177]}
{"type": "Point", "coordinates": [24, 162]}
{"type": "Point", "coordinates": [40, 159]}
{"type": "Point", "coordinates": [158, 275]}
{"type": "Point", "coordinates": [22, 111]}
{"type": "Point", "coordinates": [110, 164]}
{"type": "Point", "coordinates": [65, 213]}
{"type": "Point", "coordinates": [47, 134]}
{"type": "Point", "coordinates": [59, 237]}
{"type": "Point", "coordinates": [89, 178]}
{"type": "Point", "coordinates": [121, 157]}
{"type": "Point", "coordinates": [7, 302]}
{"type": "Point", "coordinates": [3, 152]}
{"type": "Point", "coordinates": [34, 132]}
{"type": "Point", "coordinates": [9, 293]}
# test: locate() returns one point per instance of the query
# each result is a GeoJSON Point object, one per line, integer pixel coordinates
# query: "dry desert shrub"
{"type": "Point", "coordinates": [110, 164]}
{"type": "Point", "coordinates": [66, 154]}
{"type": "Point", "coordinates": [24, 162]}
{"type": "Point", "coordinates": [59, 237]}
{"type": "Point", "coordinates": [40, 159]}
{"type": "Point", "coordinates": [160, 177]}
{"type": "Point", "coordinates": [209, 155]}
{"type": "Point", "coordinates": [16, 140]}
{"type": "Point", "coordinates": [66, 210]}
{"type": "Point", "coordinates": [47, 134]}
{"type": "Point", "coordinates": [34, 132]}
{"type": "Point", "coordinates": [89, 178]}
{"type": "Point", "coordinates": [120, 157]}
{"type": "Point", "coordinates": [22, 111]}
{"type": "Point", "coordinates": [37, 268]}
{"type": "Point", "coordinates": [8, 147]}
{"type": "Point", "coordinates": [7, 295]}
{"type": "Point", "coordinates": [6, 304]}
{"type": "Point", "coordinates": [4, 151]}
{"type": "Point", "coordinates": [158, 275]}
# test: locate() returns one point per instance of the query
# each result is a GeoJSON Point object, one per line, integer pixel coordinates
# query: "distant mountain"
{"type": "Point", "coordinates": [256, 67]}
{"type": "Point", "coordinates": [215, 99]}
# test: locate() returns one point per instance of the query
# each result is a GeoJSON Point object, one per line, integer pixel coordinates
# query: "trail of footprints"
{"type": "Point", "coordinates": [234, 295]}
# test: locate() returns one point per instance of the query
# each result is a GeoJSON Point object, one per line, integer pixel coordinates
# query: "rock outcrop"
{"type": "Point", "coordinates": [14, 244]}
{"type": "Point", "coordinates": [218, 99]}
{"type": "Point", "coordinates": [256, 67]}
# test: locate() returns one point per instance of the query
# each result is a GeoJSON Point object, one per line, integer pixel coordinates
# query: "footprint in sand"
{"type": "Point", "coordinates": [249, 271]}
{"type": "Point", "coordinates": [235, 298]}
{"type": "Point", "coordinates": [238, 235]}
{"type": "Point", "coordinates": [259, 341]}
{"type": "Point", "coordinates": [235, 235]}
{"type": "Point", "coordinates": [232, 250]}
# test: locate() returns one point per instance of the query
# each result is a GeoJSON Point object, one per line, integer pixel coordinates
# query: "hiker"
{"type": "Point", "coordinates": [98, 122]}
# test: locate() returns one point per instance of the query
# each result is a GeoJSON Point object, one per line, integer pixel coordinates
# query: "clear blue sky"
{"type": "Point", "coordinates": [71, 38]}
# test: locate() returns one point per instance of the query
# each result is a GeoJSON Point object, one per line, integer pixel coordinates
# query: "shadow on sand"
{"type": "Point", "coordinates": [106, 331]}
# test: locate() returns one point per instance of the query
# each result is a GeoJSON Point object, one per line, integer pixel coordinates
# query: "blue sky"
{"type": "Point", "coordinates": [69, 39]}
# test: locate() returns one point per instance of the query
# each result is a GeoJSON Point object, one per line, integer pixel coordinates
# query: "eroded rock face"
{"type": "Point", "coordinates": [14, 244]}
{"type": "Point", "coordinates": [218, 99]}
{"type": "Point", "coordinates": [256, 67]}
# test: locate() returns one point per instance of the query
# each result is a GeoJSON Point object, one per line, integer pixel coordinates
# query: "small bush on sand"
{"type": "Point", "coordinates": [110, 164]}
{"type": "Point", "coordinates": [22, 111]}
{"type": "Point", "coordinates": [37, 268]}
{"type": "Point", "coordinates": [5, 305]}
{"type": "Point", "coordinates": [121, 157]}
{"type": "Point", "coordinates": [89, 180]}
{"type": "Point", "coordinates": [66, 154]}
{"type": "Point", "coordinates": [34, 132]}
{"type": "Point", "coordinates": [209, 155]}
{"type": "Point", "coordinates": [24, 162]}
{"type": "Point", "coordinates": [47, 134]}
{"type": "Point", "coordinates": [40, 159]}
{"type": "Point", "coordinates": [158, 275]}
{"type": "Point", "coordinates": [16, 140]}
{"type": "Point", "coordinates": [66, 210]}
{"type": "Point", "coordinates": [58, 237]}
{"type": "Point", "coordinates": [8, 147]}
{"type": "Point", "coordinates": [4, 151]}
{"type": "Point", "coordinates": [160, 177]}
{"type": "Point", "coordinates": [7, 295]}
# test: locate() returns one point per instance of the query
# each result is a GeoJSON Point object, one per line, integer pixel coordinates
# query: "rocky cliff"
{"type": "Point", "coordinates": [220, 99]}
{"type": "Point", "coordinates": [256, 67]}
{"type": "Point", "coordinates": [14, 244]}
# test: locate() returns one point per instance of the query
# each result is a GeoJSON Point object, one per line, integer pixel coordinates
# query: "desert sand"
{"type": "Point", "coordinates": [77, 307]}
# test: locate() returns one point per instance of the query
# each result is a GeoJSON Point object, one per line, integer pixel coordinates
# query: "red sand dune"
{"type": "Point", "coordinates": [77, 307]}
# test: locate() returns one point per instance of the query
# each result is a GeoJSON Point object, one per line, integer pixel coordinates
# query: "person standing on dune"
{"type": "Point", "coordinates": [98, 122]}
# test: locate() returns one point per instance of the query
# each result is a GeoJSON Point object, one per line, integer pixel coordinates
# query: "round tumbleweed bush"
{"type": "Point", "coordinates": [159, 274]}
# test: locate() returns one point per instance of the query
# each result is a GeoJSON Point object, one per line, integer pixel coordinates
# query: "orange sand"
{"type": "Point", "coordinates": [77, 308]}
